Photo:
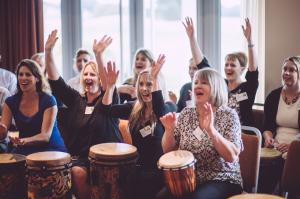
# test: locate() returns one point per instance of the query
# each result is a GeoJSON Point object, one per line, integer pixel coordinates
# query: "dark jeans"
{"type": "Point", "coordinates": [207, 190]}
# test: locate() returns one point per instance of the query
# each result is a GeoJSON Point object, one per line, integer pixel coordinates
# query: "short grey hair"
{"type": "Point", "coordinates": [218, 87]}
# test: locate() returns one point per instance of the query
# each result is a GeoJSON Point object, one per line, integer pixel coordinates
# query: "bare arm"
{"type": "Point", "coordinates": [155, 69]}
{"type": "Point", "coordinates": [168, 140]}
{"type": "Point", "coordinates": [251, 52]}
{"type": "Point", "coordinates": [98, 48]}
{"type": "Point", "coordinates": [225, 148]}
{"type": "Point", "coordinates": [196, 51]}
{"type": "Point", "coordinates": [49, 59]}
{"type": "Point", "coordinates": [111, 76]}
{"type": "Point", "coordinates": [46, 131]}
{"type": "Point", "coordinates": [5, 121]}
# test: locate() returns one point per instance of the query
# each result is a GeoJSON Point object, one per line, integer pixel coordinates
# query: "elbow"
{"type": "Point", "coordinates": [231, 158]}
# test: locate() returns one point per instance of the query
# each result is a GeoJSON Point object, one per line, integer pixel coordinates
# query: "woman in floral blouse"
{"type": "Point", "coordinates": [212, 132]}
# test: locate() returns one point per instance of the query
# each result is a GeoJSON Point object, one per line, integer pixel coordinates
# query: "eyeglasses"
{"type": "Point", "coordinates": [290, 70]}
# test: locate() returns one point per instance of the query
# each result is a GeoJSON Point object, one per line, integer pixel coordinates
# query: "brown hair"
{"type": "Point", "coordinates": [240, 56]}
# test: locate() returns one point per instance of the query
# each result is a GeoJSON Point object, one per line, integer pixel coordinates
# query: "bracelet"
{"type": "Point", "coordinates": [250, 45]}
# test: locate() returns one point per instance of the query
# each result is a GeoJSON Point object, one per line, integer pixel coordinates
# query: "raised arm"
{"type": "Point", "coordinates": [155, 69]}
{"type": "Point", "coordinates": [196, 52]}
{"type": "Point", "coordinates": [111, 75]}
{"type": "Point", "coordinates": [251, 53]}
{"type": "Point", "coordinates": [49, 59]}
{"type": "Point", "coordinates": [98, 48]}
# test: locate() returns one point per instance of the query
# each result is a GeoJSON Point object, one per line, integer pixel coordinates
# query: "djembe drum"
{"type": "Point", "coordinates": [179, 171]}
{"type": "Point", "coordinates": [49, 175]}
{"type": "Point", "coordinates": [112, 170]}
{"type": "Point", "coordinates": [271, 164]}
{"type": "Point", "coordinates": [12, 176]}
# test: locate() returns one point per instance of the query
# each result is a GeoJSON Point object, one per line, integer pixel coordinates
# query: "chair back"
{"type": "Point", "coordinates": [250, 159]}
{"type": "Point", "coordinates": [290, 180]}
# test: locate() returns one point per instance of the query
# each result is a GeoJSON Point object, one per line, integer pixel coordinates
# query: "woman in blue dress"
{"type": "Point", "coordinates": [34, 110]}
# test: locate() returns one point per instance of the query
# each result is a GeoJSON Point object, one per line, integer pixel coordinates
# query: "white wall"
{"type": "Point", "coordinates": [282, 38]}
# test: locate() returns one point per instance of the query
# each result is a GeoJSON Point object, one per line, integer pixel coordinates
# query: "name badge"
{"type": "Point", "coordinates": [241, 97]}
{"type": "Point", "coordinates": [198, 133]}
{"type": "Point", "coordinates": [146, 131]}
{"type": "Point", "coordinates": [89, 110]}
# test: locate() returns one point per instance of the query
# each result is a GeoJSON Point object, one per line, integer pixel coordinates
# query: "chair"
{"type": "Point", "coordinates": [290, 180]}
{"type": "Point", "coordinates": [250, 159]}
{"type": "Point", "coordinates": [124, 131]}
{"type": "Point", "coordinates": [258, 116]}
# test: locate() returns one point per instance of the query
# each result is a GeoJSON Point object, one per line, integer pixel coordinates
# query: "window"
{"type": "Point", "coordinates": [52, 20]}
{"type": "Point", "coordinates": [164, 33]}
{"type": "Point", "coordinates": [108, 17]}
{"type": "Point", "coordinates": [232, 38]}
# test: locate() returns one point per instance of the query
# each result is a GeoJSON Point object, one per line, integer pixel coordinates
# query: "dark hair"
{"type": "Point", "coordinates": [81, 51]}
{"type": "Point", "coordinates": [42, 84]}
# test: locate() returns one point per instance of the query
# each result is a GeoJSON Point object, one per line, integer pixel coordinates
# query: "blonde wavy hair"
{"type": "Point", "coordinates": [94, 66]}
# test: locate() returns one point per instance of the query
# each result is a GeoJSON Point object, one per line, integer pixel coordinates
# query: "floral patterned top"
{"type": "Point", "coordinates": [210, 165]}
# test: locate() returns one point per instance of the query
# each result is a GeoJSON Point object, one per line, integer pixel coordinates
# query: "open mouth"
{"type": "Point", "coordinates": [24, 83]}
{"type": "Point", "coordinates": [88, 82]}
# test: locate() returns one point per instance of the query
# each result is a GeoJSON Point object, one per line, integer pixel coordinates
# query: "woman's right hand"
{"type": "Point", "coordinates": [189, 27]}
{"type": "Point", "coordinates": [169, 122]}
{"type": "Point", "coordinates": [269, 140]}
{"type": "Point", "coordinates": [102, 44]}
{"type": "Point", "coordinates": [50, 43]}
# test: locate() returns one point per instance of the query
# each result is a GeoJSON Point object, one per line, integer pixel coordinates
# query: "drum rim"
{"type": "Point", "coordinates": [113, 157]}
{"type": "Point", "coordinates": [176, 168]}
{"type": "Point", "coordinates": [274, 156]}
{"type": "Point", "coordinates": [61, 161]}
{"type": "Point", "coordinates": [192, 161]}
{"type": "Point", "coordinates": [16, 162]}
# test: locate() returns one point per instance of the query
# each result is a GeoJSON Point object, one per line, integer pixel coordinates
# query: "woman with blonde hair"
{"type": "Point", "coordinates": [34, 110]}
{"type": "Point", "coordinates": [144, 126]}
{"type": "Point", "coordinates": [86, 122]}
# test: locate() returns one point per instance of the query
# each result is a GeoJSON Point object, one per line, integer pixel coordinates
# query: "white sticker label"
{"type": "Point", "coordinates": [241, 97]}
{"type": "Point", "coordinates": [146, 131]}
{"type": "Point", "coordinates": [89, 110]}
{"type": "Point", "coordinates": [198, 133]}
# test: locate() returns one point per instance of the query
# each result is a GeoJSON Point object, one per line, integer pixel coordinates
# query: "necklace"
{"type": "Point", "coordinates": [292, 101]}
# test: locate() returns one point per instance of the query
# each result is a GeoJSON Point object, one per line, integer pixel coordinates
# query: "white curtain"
{"type": "Point", "coordinates": [255, 11]}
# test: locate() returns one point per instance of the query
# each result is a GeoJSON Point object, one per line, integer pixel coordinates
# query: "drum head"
{"type": "Point", "coordinates": [48, 158]}
{"type": "Point", "coordinates": [176, 159]}
{"type": "Point", "coordinates": [112, 151]}
{"type": "Point", "coordinates": [9, 158]}
{"type": "Point", "coordinates": [269, 153]}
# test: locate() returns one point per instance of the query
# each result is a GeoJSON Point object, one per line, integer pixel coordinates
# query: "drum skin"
{"type": "Point", "coordinates": [49, 175]}
{"type": "Point", "coordinates": [112, 170]}
{"type": "Point", "coordinates": [179, 172]}
{"type": "Point", "coordinates": [12, 176]}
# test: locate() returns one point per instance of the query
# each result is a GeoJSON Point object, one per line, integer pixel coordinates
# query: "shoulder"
{"type": "Point", "coordinates": [274, 93]}
{"type": "Point", "coordinates": [226, 113]}
{"type": "Point", "coordinates": [47, 99]}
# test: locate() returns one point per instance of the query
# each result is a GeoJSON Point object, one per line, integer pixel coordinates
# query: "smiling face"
{"type": "Point", "coordinates": [26, 80]}
{"type": "Point", "coordinates": [290, 74]}
{"type": "Point", "coordinates": [90, 79]}
{"type": "Point", "coordinates": [141, 63]}
{"type": "Point", "coordinates": [233, 69]}
{"type": "Point", "coordinates": [145, 86]}
{"type": "Point", "coordinates": [202, 91]}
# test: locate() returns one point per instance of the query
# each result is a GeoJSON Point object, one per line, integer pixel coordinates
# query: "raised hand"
{"type": "Point", "coordinates": [100, 46]}
{"type": "Point", "coordinates": [157, 65]}
{"type": "Point", "coordinates": [189, 27]}
{"type": "Point", "coordinates": [172, 97]}
{"type": "Point", "coordinates": [247, 30]}
{"type": "Point", "coordinates": [111, 74]}
{"type": "Point", "coordinates": [169, 121]}
{"type": "Point", "coordinates": [206, 118]}
{"type": "Point", "coordinates": [50, 43]}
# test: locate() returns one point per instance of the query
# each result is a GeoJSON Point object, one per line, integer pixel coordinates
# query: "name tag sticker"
{"type": "Point", "coordinates": [89, 110]}
{"type": "Point", "coordinates": [241, 97]}
{"type": "Point", "coordinates": [197, 133]}
{"type": "Point", "coordinates": [146, 131]}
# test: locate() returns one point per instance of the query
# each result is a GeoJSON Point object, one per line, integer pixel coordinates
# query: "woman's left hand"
{"type": "Point", "coordinates": [283, 147]}
{"type": "Point", "coordinates": [247, 30]}
{"type": "Point", "coordinates": [111, 74]}
{"type": "Point", "coordinates": [157, 65]}
{"type": "Point", "coordinates": [17, 141]}
{"type": "Point", "coordinates": [100, 46]}
{"type": "Point", "coordinates": [206, 118]}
